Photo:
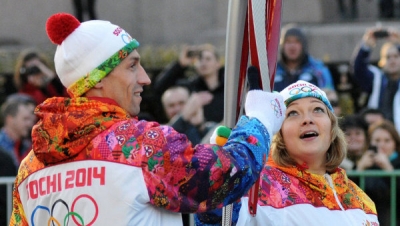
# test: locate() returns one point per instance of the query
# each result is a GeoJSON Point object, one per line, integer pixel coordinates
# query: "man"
{"type": "Point", "coordinates": [18, 119]}
{"type": "Point", "coordinates": [93, 162]}
{"type": "Point", "coordinates": [297, 64]}
{"type": "Point", "coordinates": [174, 99]}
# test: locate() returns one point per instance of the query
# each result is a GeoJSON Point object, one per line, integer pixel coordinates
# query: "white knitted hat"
{"type": "Point", "coordinates": [302, 89]}
{"type": "Point", "coordinates": [87, 51]}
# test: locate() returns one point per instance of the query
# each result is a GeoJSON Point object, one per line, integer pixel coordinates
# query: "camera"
{"type": "Point", "coordinates": [193, 53]}
{"type": "Point", "coordinates": [373, 148]}
{"type": "Point", "coordinates": [381, 34]}
{"type": "Point", "coordinates": [29, 70]}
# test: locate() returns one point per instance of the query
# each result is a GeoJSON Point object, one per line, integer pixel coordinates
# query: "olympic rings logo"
{"type": "Point", "coordinates": [126, 38]}
{"type": "Point", "coordinates": [304, 89]}
{"type": "Point", "coordinates": [277, 109]}
{"type": "Point", "coordinates": [70, 213]}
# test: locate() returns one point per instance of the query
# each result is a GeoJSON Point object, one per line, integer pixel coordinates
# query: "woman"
{"type": "Point", "coordinates": [33, 76]}
{"type": "Point", "coordinates": [301, 183]}
{"type": "Point", "coordinates": [384, 137]}
{"type": "Point", "coordinates": [355, 129]}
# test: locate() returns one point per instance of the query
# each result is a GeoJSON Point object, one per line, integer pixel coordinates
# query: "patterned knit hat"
{"type": "Point", "coordinates": [87, 51]}
{"type": "Point", "coordinates": [302, 89]}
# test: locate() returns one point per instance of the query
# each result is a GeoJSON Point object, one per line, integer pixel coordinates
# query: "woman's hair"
{"type": "Point", "coordinates": [211, 48]}
{"type": "Point", "coordinates": [21, 78]}
{"type": "Point", "coordinates": [335, 154]}
{"type": "Point", "coordinates": [388, 126]}
{"type": "Point", "coordinates": [355, 122]}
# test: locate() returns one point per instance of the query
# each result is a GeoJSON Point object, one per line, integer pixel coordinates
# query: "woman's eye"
{"type": "Point", "coordinates": [319, 109]}
{"type": "Point", "coordinates": [291, 113]}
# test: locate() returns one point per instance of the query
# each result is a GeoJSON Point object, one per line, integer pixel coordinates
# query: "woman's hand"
{"type": "Point", "coordinates": [382, 161]}
{"type": "Point", "coordinates": [369, 38]}
{"type": "Point", "coordinates": [366, 160]}
{"type": "Point", "coordinates": [49, 74]}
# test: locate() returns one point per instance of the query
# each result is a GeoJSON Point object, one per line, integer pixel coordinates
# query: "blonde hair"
{"type": "Point", "coordinates": [211, 48]}
{"type": "Point", "coordinates": [335, 154]}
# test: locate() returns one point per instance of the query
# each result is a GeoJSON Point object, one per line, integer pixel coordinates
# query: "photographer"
{"type": "Point", "coordinates": [208, 76]}
{"type": "Point", "coordinates": [34, 77]}
{"type": "Point", "coordinates": [382, 82]}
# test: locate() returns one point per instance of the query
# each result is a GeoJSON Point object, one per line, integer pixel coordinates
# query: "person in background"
{"type": "Point", "coordinates": [208, 77]}
{"type": "Point", "coordinates": [93, 156]}
{"type": "Point", "coordinates": [17, 119]}
{"type": "Point", "coordinates": [185, 112]}
{"type": "Point", "coordinates": [8, 169]}
{"type": "Point", "coordinates": [174, 99]}
{"type": "Point", "coordinates": [33, 76]}
{"type": "Point", "coordinates": [355, 129]}
{"type": "Point", "coordinates": [382, 83]}
{"type": "Point", "coordinates": [334, 100]}
{"type": "Point", "coordinates": [350, 97]}
{"type": "Point", "coordinates": [301, 182]}
{"type": "Point", "coordinates": [382, 155]}
{"type": "Point", "coordinates": [296, 63]}
{"type": "Point", "coordinates": [372, 115]}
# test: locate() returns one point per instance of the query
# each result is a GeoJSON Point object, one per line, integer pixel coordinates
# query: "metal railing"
{"type": "Point", "coordinates": [393, 186]}
{"type": "Point", "coordinates": [8, 181]}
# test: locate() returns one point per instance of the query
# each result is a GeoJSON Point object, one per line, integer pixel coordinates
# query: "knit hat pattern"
{"type": "Point", "coordinates": [86, 52]}
{"type": "Point", "coordinates": [303, 89]}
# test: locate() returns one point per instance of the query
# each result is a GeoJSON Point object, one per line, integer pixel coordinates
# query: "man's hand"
{"type": "Point", "coordinates": [267, 107]}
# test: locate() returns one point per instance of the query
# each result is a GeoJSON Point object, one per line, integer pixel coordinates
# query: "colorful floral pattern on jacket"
{"type": "Point", "coordinates": [281, 187]}
{"type": "Point", "coordinates": [285, 186]}
{"type": "Point", "coordinates": [179, 177]}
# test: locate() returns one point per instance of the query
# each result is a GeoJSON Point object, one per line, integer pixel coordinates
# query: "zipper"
{"type": "Point", "coordinates": [329, 179]}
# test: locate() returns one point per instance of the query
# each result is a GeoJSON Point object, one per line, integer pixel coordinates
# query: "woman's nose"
{"type": "Point", "coordinates": [307, 119]}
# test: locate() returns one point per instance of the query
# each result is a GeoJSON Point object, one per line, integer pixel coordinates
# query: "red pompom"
{"type": "Point", "coordinates": [60, 25]}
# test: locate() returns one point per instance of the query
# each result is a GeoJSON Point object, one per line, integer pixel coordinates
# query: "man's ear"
{"type": "Point", "coordinates": [8, 119]}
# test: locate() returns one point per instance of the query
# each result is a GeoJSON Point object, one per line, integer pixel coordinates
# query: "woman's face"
{"type": "Point", "coordinates": [382, 139]}
{"type": "Point", "coordinates": [306, 131]}
{"type": "Point", "coordinates": [356, 141]}
{"type": "Point", "coordinates": [207, 64]}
